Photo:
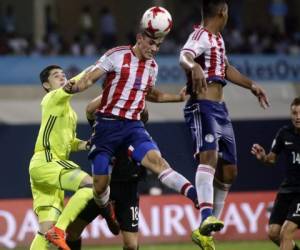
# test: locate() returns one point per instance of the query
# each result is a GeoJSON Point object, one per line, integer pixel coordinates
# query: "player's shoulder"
{"type": "Point", "coordinates": [199, 32]}
{"type": "Point", "coordinates": [285, 130]}
{"type": "Point", "coordinates": [53, 95]}
{"type": "Point", "coordinates": [118, 50]}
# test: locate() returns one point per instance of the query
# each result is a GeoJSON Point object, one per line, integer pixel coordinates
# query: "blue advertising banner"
{"type": "Point", "coordinates": [25, 70]}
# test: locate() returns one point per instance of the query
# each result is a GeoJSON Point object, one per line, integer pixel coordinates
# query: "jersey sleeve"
{"type": "Point", "coordinates": [54, 102]}
{"type": "Point", "coordinates": [278, 142]}
{"type": "Point", "coordinates": [105, 62]}
{"type": "Point", "coordinates": [75, 144]}
{"type": "Point", "coordinates": [197, 43]}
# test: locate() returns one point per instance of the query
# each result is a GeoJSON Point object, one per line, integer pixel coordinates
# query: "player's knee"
{"type": "Point", "coordinates": [155, 162]}
{"type": "Point", "coordinates": [99, 188]}
{"type": "Point", "coordinates": [274, 235]}
{"type": "Point", "coordinates": [287, 231]}
{"type": "Point", "coordinates": [209, 157]}
{"type": "Point", "coordinates": [231, 177]}
{"type": "Point", "coordinates": [100, 184]}
{"type": "Point", "coordinates": [86, 182]}
{"type": "Point", "coordinates": [159, 164]}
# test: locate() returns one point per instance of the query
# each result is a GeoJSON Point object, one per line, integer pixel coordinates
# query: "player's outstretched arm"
{"type": "Point", "coordinates": [84, 80]}
{"type": "Point", "coordinates": [234, 76]}
{"type": "Point", "coordinates": [188, 63]}
{"type": "Point", "coordinates": [79, 145]}
{"type": "Point", "coordinates": [155, 95]}
{"type": "Point", "coordinates": [259, 152]}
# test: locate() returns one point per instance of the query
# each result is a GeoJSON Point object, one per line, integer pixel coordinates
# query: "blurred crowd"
{"type": "Point", "coordinates": [282, 37]}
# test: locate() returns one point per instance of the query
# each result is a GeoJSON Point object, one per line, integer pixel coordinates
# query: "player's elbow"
{"type": "Point", "coordinates": [186, 61]}
{"type": "Point", "coordinates": [90, 110]}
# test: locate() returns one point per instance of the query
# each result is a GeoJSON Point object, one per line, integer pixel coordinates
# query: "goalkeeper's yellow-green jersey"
{"type": "Point", "coordinates": [57, 134]}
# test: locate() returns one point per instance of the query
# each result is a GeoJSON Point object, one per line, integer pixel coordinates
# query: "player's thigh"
{"type": "Point", "coordinates": [226, 172]}
{"type": "Point", "coordinates": [294, 209]}
{"type": "Point", "coordinates": [280, 209]}
{"type": "Point", "coordinates": [72, 177]}
{"type": "Point", "coordinates": [45, 174]}
{"type": "Point", "coordinates": [288, 229]}
{"type": "Point", "coordinates": [139, 142]}
{"type": "Point", "coordinates": [274, 231]}
{"type": "Point", "coordinates": [227, 143]}
{"type": "Point", "coordinates": [126, 200]}
{"type": "Point", "coordinates": [107, 137]}
{"type": "Point", "coordinates": [44, 197]}
{"type": "Point", "coordinates": [202, 127]}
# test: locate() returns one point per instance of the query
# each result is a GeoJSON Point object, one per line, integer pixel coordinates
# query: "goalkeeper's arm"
{"type": "Point", "coordinates": [91, 109]}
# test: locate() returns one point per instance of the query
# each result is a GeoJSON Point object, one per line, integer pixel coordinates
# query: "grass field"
{"type": "Point", "coordinates": [245, 245]}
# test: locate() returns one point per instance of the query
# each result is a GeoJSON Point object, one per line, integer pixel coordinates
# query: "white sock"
{"type": "Point", "coordinates": [220, 193]}
{"type": "Point", "coordinates": [174, 180]}
{"type": "Point", "coordinates": [102, 199]}
{"type": "Point", "coordinates": [204, 186]}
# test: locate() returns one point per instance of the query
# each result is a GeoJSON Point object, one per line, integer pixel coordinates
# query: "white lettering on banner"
{"type": "Point", "coordinates": [269, 207]}
{"type": "Point", "coordinates": [155, 221]}
{"type": "Point", "coordinates": [85, 234]}
{"type": "Point", "coordinates": [143, 227]}
{"type": "Point", "coordinates": [99, 225]}
{"type": "Point", "coordinates": [6, 238]}
{"type": "Point", "coordinates": [29, 225]}
{"type": "Point", "coordinates": [194, 221]}
{"type": "Point", "coordinates": [252, 217]}
{"type": "Point", "coordinates": [298, 208]}
{"type": "Point", "coordinates": [172, 215]}
{"type": "Point", "coordinates": [232, 218]}
{"type": "Point", "coordinates": [163, 220]}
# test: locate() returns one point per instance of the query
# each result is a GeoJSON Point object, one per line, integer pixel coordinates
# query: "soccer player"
{"type": "Point", "coordinates": [130, 78]}
{"type": "Point", "coordinates": [204, 59]}
{"type": "Point", "coordinates": [285, 216]}
{"type": "Point", "coordinates": [51, 171]}
{"type": "Point", "coordinates": [124, 193]}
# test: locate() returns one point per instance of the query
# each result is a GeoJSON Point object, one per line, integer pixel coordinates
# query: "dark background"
{"type": "Point", "coordinates": [174, 141]}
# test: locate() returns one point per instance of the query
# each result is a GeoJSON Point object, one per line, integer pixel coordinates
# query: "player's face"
{"type": "Point", "coordinates": [224, 15]}
{"type": "Point", "coordinates": [148, 47]}
{"type": "Point", "coordinates": [295, 116]}
{"type": "Point", "coordinates": [56, 79]}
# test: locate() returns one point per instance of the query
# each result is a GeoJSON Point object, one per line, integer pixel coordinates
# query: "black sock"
{"type": "Point", "coordinates": [74, 245]}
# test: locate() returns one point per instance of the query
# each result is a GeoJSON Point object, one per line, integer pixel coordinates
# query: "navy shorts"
{"type": "Point", "coordinates": [211, 128]}
{"type": "Point", "coordinates": [286, 207]}
{"type": "Point", "coordinates": [110, 135]}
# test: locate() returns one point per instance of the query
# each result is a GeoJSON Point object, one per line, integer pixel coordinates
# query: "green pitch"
{"type": "Point", "coordinates": [230, 245]}
{"type": "Point", "coordinates": [247, 245]}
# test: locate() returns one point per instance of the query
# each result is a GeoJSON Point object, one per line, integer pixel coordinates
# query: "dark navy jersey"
{"type": "Point", "coordinates": [125, 169]}
{"type": "Point", "coordinates": [287, 142]}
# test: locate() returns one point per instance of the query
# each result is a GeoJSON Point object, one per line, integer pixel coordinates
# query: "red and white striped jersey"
{"type": "Point", "coordinates": [127, 82]}
{"type": "Point", "coordinates": [208, 50]}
